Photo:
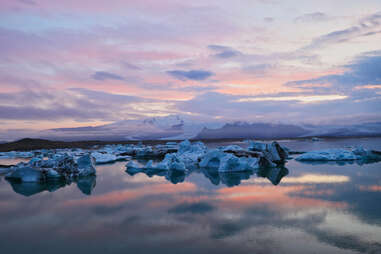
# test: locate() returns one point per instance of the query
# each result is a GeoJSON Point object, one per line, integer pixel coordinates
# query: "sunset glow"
{"type": "Point", "coordinates": [73, 64]}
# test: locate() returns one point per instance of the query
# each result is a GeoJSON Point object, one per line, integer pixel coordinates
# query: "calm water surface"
{"type": "Point", "coordinates": [303, 208]}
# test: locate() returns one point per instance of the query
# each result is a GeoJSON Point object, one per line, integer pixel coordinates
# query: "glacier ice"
{"type": "Point", "coordinates": [273, 152]}
{"type": "Point", "coordinates": [86, 165]}
{"type": "Point", "coordinates": [59, 167]}
{"type": "Point", "coordinates": [102, 158]}
{"type": "Point", "coordinates": [339, 154]}
{"type": "Point", "coordinates": [226, 162]}
{"type": "Point", "coordinates": [171, 162]}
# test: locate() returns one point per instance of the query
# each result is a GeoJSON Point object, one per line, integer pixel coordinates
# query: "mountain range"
{"type": "Point", "coordinates": [177, 127]}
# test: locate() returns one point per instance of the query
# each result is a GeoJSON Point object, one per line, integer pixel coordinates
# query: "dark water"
{"type": "Point", "coordinates": [323, 208]}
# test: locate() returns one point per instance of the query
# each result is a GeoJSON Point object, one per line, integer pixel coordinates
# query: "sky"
{"type": "Point", "coordinates": [92, 62]}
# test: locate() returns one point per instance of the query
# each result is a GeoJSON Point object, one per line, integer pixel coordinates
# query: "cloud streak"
{"type": "Point", "coordinates": [365, 70]}
{"type": "Point", "coordinates": [197, 75]}
{"type": "Point", "coordinates": [103, 75]}
{"type": "Point", "coordinates": [368, 26]}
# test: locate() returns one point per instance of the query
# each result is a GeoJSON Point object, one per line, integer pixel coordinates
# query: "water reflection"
{"type": "Point", "coordinates": [29, 189]}
{"type": "Point", "coordinates": [84, 184]}
{"type": "Point", "coordinates": [230, 179]}
{"type": "Point", "coordinates": [307, 209]}
{"type": "Point", "coordinates": [275, 175]}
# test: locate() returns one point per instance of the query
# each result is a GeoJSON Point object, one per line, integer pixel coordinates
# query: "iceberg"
{"type": "Point", "coordinates": [86, 165]}
{"type": "Point", "coordinates": [103, 158]}
{"type": "Point", "coordinates": [171, 162]}
{"type": "Point", "coordinates": [227, 162]}
{"type": "Point", "coordinates": [273, 152]}
{"type": "Point", "coordinates": [231, 158]}
{"type": "Point", "coordinates": [328, 155]}
{"type": "Point", "coordinates": [63, 166]}
{"type": "Point", "coordinates": [169, 147]}
{"type": "Point", "coordinates": [339, 154]}
{"type": "Point", "coordinates": [190, 154]}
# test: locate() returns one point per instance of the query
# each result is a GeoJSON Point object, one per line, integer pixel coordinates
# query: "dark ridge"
{"type": "Point", "coordinates": [27, 144]}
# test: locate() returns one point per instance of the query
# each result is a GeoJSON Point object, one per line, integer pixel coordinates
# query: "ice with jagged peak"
{"type": "Point", "coordinates": [171, 162]}
{"type": "Point", "coordinates": [273, 152]}
{"type": "Point", "coordinates": [190, 153]}
{"type": "Point", "coordinates": [256, 146]}
{"type": "Point", "coordinates": [187, 156]}
{"type": "Point", "coordinates": [226, 162]}
{"type": "Point", "coordinates": [86, 165]}
{"type": "Point", "coordinates": [338, 154]}
{"type": "Point", "coordinates": [63, 166]}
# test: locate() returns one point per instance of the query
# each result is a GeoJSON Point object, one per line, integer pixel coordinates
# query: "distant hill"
{"type": "Point", "coordinates": [255, 130]}
{"type": "Point", "coordinates": [32, 144]}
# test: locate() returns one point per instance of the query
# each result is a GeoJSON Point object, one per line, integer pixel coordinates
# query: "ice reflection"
{"type": "Point", "coordinates": [230, 179]}
{"type": "Point", "coordinates": [312, 209]}
{"type": "Point", "coordinates": [29, 189]}
{"type": "Point", "coordinates": [84, 184]}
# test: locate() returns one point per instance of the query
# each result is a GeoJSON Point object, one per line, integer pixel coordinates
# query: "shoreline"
{"type": "Point", "coordinates": [28, 144]}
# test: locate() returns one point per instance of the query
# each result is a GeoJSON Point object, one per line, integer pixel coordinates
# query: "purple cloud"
{"type": "Point", "coordinates": [312, 17]}
{"type": "Point", "coordinates": [365, 70]}
{"type": "Point", "coordinates": [368, 26]}
{"type": "Point", "coordinates": [190, 75]}
{"type": "Point", "coordinates": [103, 75]}
{"type": "Point", "coordinates": [223, 51]}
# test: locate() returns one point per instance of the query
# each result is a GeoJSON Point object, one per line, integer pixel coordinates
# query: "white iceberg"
{"type": "Point", "coordinates": [63, 166]}
{"type": "Point", "coordinates": [337, 154]}
{"type": "Point", "coordinates": [171, 162]}
{"type": "Point", "coordinates": [190, 154]}
{"type": "Point", "coordinates": [226, 162]}
{"type": "Point", "coordinates": [102, 158]}
{"type": "Point", "coordinates": [187, 156]}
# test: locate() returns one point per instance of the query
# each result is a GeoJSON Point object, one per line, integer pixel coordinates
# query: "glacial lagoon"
{"type": "Point", "coordinates": [300, 208]}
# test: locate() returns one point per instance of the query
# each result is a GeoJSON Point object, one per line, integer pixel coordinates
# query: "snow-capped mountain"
{"type": "Point", "coordinates": [168, 127]}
